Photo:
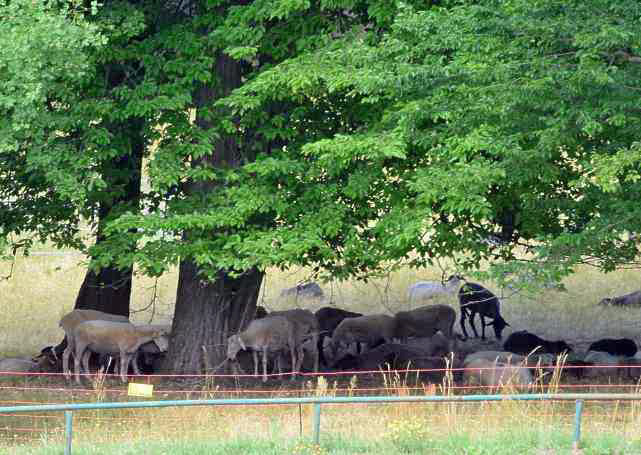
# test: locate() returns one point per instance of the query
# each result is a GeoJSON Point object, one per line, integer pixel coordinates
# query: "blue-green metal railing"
{"type": "Point", "coordinates": [579, 398]}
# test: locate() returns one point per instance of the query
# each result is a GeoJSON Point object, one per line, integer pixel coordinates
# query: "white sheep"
{"type": "Point", "coordinates": [424, 290]}
{"type": "Point", "coordinates": [108, 337]}
{"type": "Point", "coordinates": [70, 321]}
{"type": "Point", "coordinates": [307, 327]}
{"type": "Point", "coordinates": [492, 374]}
{"type": "Point", "coordinates": [271, 334]}
{"type": "Point", "coordinates": [369, 329]}
{"type": "Point", "coordinates": [425, 321]}
{"type": "Point", "coordinates": [544, 360]}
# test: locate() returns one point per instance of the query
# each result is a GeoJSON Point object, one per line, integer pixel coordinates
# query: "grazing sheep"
{"type": "Point", "coordinates": [603, 364]}
{"type": "Point", "coordinates": [616, 346]}
{"type": "Point", "coordinates": [18, 365]}
{"type": "Point", "coordinates": [425, 321]}
{"type": "Point", "coordinates": [492, 374]}
{"type": "Point", "coordinates": [328, 319]}
{"type": "Point", "coordinates": [269, 334]}
{"type": "Point", "coordinates": [632, 299]}
{"type": "Point", "coordinates": [303, 290]}
{"type": "Point", "coordinates": [474, 299]}
{"type": "Point", "coordinates": [370, 329]}
{"type": "Point", "coordinates": [424, 290]}
{"type": "Point", "coordinates": [307, 327]}
{"type": "Point", "coordinates": [524, 342]}
{"type": "Point", "coordinates": [108, 337]}
{"type": "Point", "coordinates": [71, 320]}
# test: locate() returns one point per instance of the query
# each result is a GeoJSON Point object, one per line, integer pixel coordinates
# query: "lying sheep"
{"type": "Point", "coordinates": [424, 290]}
{"type": "Point", "coordinates": [328, 319]}
{"type": "Point", "coordinates": [425, 322]}
{"type": "Point", "coordinates": [370, 329]}
{"type": "Point", "coordinates": [71, 320]}
{"type": "Point", "coordinates": [438, 345]}
{"type": "Point", "coordinates": [271, 334]}
{"type": "Point", "coordinates": [19, 365]}
{"type": "Point", "coordinates": [603, 364]}
{"type": "Point", "coordinates": [108, 337]}
{"type": "Point", "coordinates": [632, 299]}
{"type": "Point", "coordinates": [524, 342]}
{"type": "Point", "coordinates": [303, 290]}
{"type": "Point", "coordinates": [473, 299]}
{"type": "Point", "coordinates": [306, 327]}
{"type": "Point", "coordinates": [493, 374]}
{"type": "Point", "coordinates": [615, 346]}
{"type": "Point", "coordinates": [510, 358]}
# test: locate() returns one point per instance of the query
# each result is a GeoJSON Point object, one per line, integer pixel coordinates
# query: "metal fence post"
{"type": "Point", "coordinates": [577, 424]}
{"type": "Point", "coordinates": [317, 410]}
{"type": "Point", "coordinates": [68, 431]}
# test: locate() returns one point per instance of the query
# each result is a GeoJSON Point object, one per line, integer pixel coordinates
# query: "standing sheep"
{"type": "Point", "coordinates": [269, 334]}
{"type": "Point", "coordinates": [108, 337]}
{"type": "Point", "coordinates": [474, 299]}
{"type": "Point", "coordinates": [71, 320]}
{"type": "Point", "coordinates": [424, 290]}
{"type": "Point", "coordinates": [425, 322]}
{"type": "Point", "coordinates": [306, 327]}
{"type": "Point", "coordinates": [328, 319]}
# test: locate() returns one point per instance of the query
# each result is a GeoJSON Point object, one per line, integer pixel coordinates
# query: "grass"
{"type": "Point", "coordinates": [43, 287]}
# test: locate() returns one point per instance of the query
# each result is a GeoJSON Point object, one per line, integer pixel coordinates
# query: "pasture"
{"type": "Point", "coordinates": [43, 287]}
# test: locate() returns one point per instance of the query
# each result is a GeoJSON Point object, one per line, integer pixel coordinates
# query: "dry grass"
{"type": "Point", "coordinates": [43, 287]}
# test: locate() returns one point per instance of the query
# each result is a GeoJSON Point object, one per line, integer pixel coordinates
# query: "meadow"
{"type": "Point", "coordinates": [42, 287]}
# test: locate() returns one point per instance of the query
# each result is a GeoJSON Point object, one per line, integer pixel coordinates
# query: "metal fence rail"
{"type": "Point", "coordinates": [579, 398]}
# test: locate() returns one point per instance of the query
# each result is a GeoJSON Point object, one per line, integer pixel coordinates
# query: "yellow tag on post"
{"type": "Point", "coordinates": [140, 390]}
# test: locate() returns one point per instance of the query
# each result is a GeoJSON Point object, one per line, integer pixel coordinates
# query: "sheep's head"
{"type": "Point", "coordinates": [606, 301]}
{"type": "Point", "coordinates": [234, 345]}
{"type": "Point", "coordinates": [499, 324]}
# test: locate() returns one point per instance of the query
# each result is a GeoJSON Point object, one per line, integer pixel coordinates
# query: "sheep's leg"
{"type": "Point", "coordinates": [265, 364]}
{"type": "Point", "coordinates": [85, 361]}
{"type": "Point", "coordinates": [124, 366]}
{"type": "Point", "coordinates": [316, 353]}
{"type": "Point", "coordinates": [80, 349]}
{"type": "Point", "coordinates": [472, 317]}
{"type": "Point", "coordinates": [65, 356]}
{"type": "Point", "coordinates": [292, 350]}
{"type": "Point", "coordinates": [255, 356]}
{"type": "Point", "coordinates": [320, 349]}
{"type": "Point", "coordinates": [464, 315]}
{"type": "Point", "coordinates": [482, 318]}
{"type": "Point", "coordinates": [134, 364]}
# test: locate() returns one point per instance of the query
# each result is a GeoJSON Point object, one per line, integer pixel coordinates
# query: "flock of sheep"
{"type": "Point", "coordinates": [341, 340]}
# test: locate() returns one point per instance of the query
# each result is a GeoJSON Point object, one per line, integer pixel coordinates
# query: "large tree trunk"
{"type": "Point", "coordinates": [208, 312]}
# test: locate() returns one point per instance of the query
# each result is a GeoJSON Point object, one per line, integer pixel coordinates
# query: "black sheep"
{"type": "Point", "coordinates": [328, 319]}
{"type": "Point", "coordinates": [474, 299]}
{"type": "Point", "coordinates": [524, 342]}
{"type": "Point", "coordinates": [615, 346]}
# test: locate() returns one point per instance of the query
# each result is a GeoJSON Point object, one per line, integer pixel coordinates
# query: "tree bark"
{"type": "Point", "coordinates": [208, 312]}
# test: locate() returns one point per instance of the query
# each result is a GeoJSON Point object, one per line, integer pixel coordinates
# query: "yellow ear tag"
{"type": "Point", "coordinates": [140, 390]}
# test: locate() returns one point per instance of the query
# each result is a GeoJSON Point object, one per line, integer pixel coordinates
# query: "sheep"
{"type": "Point", "coordinates": [328, 319]}
{"type": "Point", "coordinates": [425, 321]}
{"type": "Point", "coordinates": [602, 363]}
{"type": "Point", "coordinates": [108, 337]}
{"type": "Point", "coordinates": [303, 290]}
{"type": "Point", "coordinates": [524, 342]}
{"type": "Point", "coordinates": [19, 365]}
{"type": "Point", "coordinates": [424, 290]}
{"type": "Point", "coordinates": [269, 334]}
{"type": "Point", "coordinates": [70, 321]}
{"type": "Point", "coordinates": [632, 299]}
{"type": "Point", "coordinates": [510, 358]}
{"type": "Point", "coordinates": [474, 298]}
{"type": "Point", "coordinates": [492, 374]}
{"type": "Point", "coordinates": [615, 346]}
{"type": "Point", "coordinates": [307, 326]}
{"type": "Point", "coordinates": [370, 329]}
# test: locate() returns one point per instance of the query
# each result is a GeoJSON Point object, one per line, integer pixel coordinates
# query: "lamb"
{"type": "Point", "coordinates": [492, 374]}
{"type": "Point", "coordinates": [474, 299]}
{"type": "Point", "coordinates": [370, 329]}
{"type": "Point", "coordinates": [424, 290]}
{"type": "Point", "coordinates": [632, 299]}
{"type": "Point", "coordinates": [524, 342]}
{"type": "Point", "coordinates": [328, 319]}
{"type": "Point", "coordinates": [108, 337]}
{"type": "Point", "coordinates": [269, 334]}
{"type": "Point", "coordinates": [71, 320]}
{"type": "Point", "coordinates": [425, 321]}
{"type": "Point", "coordinates": [303, 290]}
{"type": "Point", "coordinates": [307, 327]}
{"type": "Point", "coordinates": [615, 346]}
